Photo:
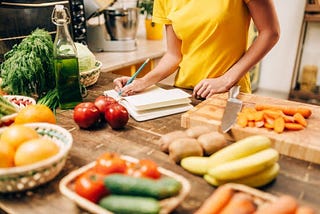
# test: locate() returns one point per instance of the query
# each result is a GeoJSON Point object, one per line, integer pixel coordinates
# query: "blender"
{"type": "Point", "coordinates": [112, 26]}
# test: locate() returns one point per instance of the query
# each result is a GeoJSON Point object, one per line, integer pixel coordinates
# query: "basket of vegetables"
{"type": "Point", "coordinates": [31, 155]}
{"type": "Point", "coordinates": [90, 77]}
{"type": "Point", "coordinates": [89, 67]}
{"type": "Point", "coordinates": [10, 105]}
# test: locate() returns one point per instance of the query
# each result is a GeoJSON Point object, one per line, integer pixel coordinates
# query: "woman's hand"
{"type": "Point", "coordinates": [136, 86]}
{"type": "Point", "coordinates": [208, 87]}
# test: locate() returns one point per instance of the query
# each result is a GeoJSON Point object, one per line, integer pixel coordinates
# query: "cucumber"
{"type": "Point", "coordinates": [6, 108]}
{"type": "Point", "coordinates": [130, 204]}
{"type": "Point", "coordinates": [127, 185]}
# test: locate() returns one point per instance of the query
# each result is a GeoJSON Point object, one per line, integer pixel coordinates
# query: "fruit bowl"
{"type": "Point", "coordinates": [19, 102]}
{"type": "Point", "coordinates": [22, 178]}
{"type": "Point", "coordinates": [90, 77]}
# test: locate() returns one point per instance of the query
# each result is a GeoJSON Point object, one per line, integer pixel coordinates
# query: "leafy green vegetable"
{"type": "Point", "coordinates": [28, 67]}
{"type": "Point", "coordinates": [51, 99]}
{"type": "Point", "coordinates": [86, 58]}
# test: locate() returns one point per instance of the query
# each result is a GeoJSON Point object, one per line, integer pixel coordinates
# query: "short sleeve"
{"type": "Point", "coordinates": [160, 11]}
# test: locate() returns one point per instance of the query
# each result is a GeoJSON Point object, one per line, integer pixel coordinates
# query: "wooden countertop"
{"type": "Point", "coordinates": [145, 49]}
{"type": "Point", "coordinates": [139, 139]}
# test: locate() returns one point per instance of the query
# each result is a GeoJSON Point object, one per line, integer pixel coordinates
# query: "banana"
{"type": "Point", "coordinates": [195, 164]}
{"type": "Point", "coordinates": [239, 149]}
{"type": "Point", "coordinates": [256, 180]}
{"type": "Point", "coordinates": [245, 166]}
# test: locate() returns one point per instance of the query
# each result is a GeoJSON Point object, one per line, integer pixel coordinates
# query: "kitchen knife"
{"type": "Point", "coordinates": [232, 108]}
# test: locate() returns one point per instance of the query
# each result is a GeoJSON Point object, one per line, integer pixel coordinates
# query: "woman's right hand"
{"type": "Point", "coordinates": [120, 82]}
{"type": "Point", "coordinates": [136, 86]}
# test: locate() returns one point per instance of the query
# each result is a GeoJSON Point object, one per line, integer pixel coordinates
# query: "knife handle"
{"type": "Point", "coordinates": [234, 91]}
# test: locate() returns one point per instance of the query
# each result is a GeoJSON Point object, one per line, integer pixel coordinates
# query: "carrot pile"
{"type": "Point", "coordinates": [226, 200]}
{"type": "Point", "coordinates": [274, 117]}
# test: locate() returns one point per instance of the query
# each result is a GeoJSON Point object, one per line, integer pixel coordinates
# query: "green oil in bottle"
{"type": "Point", "coordinates": [67, 81]}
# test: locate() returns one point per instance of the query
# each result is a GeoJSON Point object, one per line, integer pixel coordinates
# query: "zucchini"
{"type": "Point", "coordinates": [127, 185]}
{"type": "Point", "coordinates": [130, 204]}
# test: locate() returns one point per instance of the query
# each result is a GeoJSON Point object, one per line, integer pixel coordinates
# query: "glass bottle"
{"type": "Point", "coordinates": [65, 61]}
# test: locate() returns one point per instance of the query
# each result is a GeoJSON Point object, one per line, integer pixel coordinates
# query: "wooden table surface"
{"type": "Point", "coordinates": [139, 139]}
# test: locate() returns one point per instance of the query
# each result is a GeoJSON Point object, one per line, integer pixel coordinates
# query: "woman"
{"type": "Point", "coordinates": [207, 43]}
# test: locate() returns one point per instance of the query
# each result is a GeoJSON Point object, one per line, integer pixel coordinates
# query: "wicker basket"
{"type": "Point", "coordinates": [22, 178]}
{"type": "Point", "coordinates": [90, 77]}
{"type": "Point", "coordinates": [19, 102]}
{"type": "Point", "coordinates": [167, 205]}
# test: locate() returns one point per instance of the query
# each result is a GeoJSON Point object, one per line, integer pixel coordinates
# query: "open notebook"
{"type": "Point", "coordinates": [154, 102]}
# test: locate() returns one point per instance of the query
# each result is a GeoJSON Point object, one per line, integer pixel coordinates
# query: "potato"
{"type": "Point", "coordinates": [196, 131]}
{"type": "Point", "coordinates": [212, 142]}
{"type": "Point", "coordinates": [166, 139]}
{"type": "Point", "coordinates": [184, 147]}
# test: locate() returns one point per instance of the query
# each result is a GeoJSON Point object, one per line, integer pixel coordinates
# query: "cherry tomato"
{"type": "Point", "coordinates": [116, 115]}
{"type": "Point", "coordinates": [90, 186]}
{"type": "Point", "coordinates": [109, 163]}
{"type": "Point", "coordinates": [86, 114]}
{"type": "Point", "coordinates": [143, 168]}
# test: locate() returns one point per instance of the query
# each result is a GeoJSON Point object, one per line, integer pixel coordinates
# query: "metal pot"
{"type": "Point", "coordinates": [122, 23]}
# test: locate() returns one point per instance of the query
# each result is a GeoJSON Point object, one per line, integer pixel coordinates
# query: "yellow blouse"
{"type": "Point", "coordinates": [214, 36]}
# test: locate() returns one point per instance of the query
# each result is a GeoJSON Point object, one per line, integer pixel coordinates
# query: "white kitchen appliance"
{"type": "Point", "coordinates": [113, 28]}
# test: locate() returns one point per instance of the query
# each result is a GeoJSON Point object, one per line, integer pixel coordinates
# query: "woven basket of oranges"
{"type": "Point", "coordinates": [33, 157]}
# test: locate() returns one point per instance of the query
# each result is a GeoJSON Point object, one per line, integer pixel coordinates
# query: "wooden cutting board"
{"type": "Point", "coordinates": [303, 144]}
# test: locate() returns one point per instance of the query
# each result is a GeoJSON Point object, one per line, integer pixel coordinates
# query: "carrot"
{"type": "Point", "coordinates": [259, 123]}
{"type": "Point", "coordinates": [305, 210]}
{"type": "Point", "coordinates": [268, 125]}
{"type": "Point", "coordinates": [240, 203]}
{"type": "Point", "coordinates": [279, 125]}
{"type": "Point", "coordinates": [251, 123]}
{"type": "Point", "coordinates": [293, 126]}
{"type": "Point", "coordinates": [300, 119]}
{"type": "Point", "coordinates": [217, 201]}
{"type": "Point", "coordinates": [283, 205]}
{"type": "Point", "coordinates": [242, 120]}
{"type": "Point", "coordinates": [269, 120]}
{"type": "Point", "coordinates": [288, 110]}
{"type": "Point", "coordinates": [258, 115]}
{"type": "Point", "coordinates": [273, 113]}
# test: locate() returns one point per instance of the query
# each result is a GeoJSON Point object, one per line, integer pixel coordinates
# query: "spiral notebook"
{"type": "Point", "coordinates": [154, 102]}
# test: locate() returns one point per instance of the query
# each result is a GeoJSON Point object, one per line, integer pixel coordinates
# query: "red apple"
{"type": "Point", "coordinates": [86, 114]}
{"type": "Point", "coordinates": [116, 115]}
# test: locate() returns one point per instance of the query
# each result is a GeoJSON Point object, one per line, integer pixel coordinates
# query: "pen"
{"type": "Point", "coordinates": [136, 74]}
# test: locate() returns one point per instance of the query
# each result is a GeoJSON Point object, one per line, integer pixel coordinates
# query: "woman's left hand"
{"type": "Point", "coordinates": [208, 87]}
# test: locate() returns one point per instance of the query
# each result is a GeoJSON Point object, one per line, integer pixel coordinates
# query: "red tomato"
{"type": "Point", "coordinates": [117, 116]}
{"type": "Point", "coordinates": [143, 168]}
{"type": "Point", "coordinates": [110, 163]}
{"type": "Point", "coordinates": [102, 102]}
{"type": "Point", "coordinates": [90, 186]}
{"type": "Point", "coordinates": [86, 114]}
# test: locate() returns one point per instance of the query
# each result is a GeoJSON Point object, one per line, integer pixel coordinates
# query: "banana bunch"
{"type": "Point", "coordinates": [250, 161]}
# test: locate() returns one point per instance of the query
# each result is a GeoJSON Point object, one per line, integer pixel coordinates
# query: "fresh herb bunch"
{"type": "Point", "coordinates": [28, 68]}
{"type": "Point", "coordinates": [146, 8]}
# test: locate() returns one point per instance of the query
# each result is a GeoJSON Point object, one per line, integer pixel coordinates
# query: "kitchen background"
{"type": "Point", "coordinates": [278, 66]}
{"type": "Point", "coordinates": [278, 70]}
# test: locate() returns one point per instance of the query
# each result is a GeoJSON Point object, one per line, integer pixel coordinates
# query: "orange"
{"type": "Point", "coordinates": [35, 113]}
{"type": "Point", "coordinates": [15, 135]}
{"type": "Point", "coordinates": [6, 155]}
{"type": "Point", "coordinates": [34, 151]}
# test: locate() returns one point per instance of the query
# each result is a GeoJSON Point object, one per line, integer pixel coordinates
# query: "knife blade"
{"type": "Point", "coordinates": [233, 106]}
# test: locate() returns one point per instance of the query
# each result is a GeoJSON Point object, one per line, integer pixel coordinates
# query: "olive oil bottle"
{"type": "Point", "coordinates": [65, 61]}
